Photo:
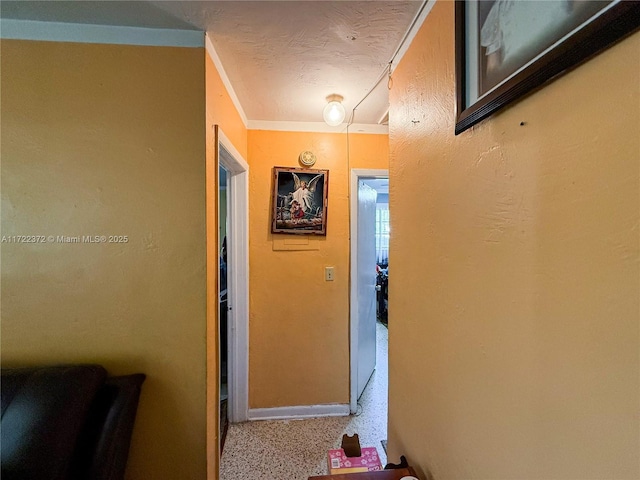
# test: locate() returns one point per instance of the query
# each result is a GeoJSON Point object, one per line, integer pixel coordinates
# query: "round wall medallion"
{"type": "Point", "coordinates": [307, 158]}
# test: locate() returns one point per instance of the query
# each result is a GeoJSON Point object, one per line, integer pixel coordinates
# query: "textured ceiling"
{"type": "Point", "coordinates": [283, 58]}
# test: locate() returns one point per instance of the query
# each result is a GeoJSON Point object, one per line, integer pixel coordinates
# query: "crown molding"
{"type": "Point", "coordinates": [317, 127]}
{"type": "Point", "coordinates": [213, 55]}
{"type": "Point", "coordinates": [12, 29]}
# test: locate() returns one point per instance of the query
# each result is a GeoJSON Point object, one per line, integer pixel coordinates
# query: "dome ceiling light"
{"type": "Point", "coordinates": [334, 111]}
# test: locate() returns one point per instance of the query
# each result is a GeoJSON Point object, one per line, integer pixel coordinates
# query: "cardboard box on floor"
{"type": "Point", "coordinates": [368, 461]}
{"type": "Point", "coordinates": [350, 458]}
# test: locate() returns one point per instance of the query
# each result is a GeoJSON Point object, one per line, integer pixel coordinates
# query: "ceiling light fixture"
{"type": "Point", "coordinates": [334, 112]}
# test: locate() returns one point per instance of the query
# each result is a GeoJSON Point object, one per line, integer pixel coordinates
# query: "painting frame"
{"type": "Point", "coordinates": [611, 23]}
{"type": "Point", "coordinates": [299, 201]}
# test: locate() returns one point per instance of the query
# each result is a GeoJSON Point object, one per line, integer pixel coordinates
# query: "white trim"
{"type": "Point", "coordinates": [384, 119]}
{"type": "Point", "coordinates": [356, 175]}
{"type": "Point", "coordinates": [238, 279]}
{"type": "Point", "coordinates": [303, 411]}
{"type": "Point", "coordinates": [240, 165]}
{"type": "Point", "coordinates": [208, 45]}
{"type": "Point", "coordinates": [411, 34]}
{"type": "Point", "coordinates": [110, 34]}
{"type": "Point", "coordinates": [319, 127]}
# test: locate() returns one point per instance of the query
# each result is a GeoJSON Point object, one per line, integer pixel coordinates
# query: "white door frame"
{"type": "Point", "coordinates": [356, 175]}
{"type": "Point", "coordinates": [238, 278]}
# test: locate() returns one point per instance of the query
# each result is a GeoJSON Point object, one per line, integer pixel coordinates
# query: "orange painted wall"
{"type": "Point", "coordinates": [109, 140]}
{"type": "Point", "coordinates": [299, 324]}
{"type": "Point", "coordinates": [515, 291]}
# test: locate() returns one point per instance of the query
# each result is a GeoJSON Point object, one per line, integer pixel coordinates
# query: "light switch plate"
{"type": "Point", "coordinates": [328, 274]}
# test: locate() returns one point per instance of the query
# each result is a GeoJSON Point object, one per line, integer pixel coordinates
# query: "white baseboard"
{"type": "Point", "coordinates": [303, 411]}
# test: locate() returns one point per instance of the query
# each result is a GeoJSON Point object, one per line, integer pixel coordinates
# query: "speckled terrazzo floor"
{"type": "Point", "coordinates": [296, 449]}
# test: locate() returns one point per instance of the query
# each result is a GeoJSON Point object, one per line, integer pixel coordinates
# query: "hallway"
{"type": "Point", "coordinates": [296, 449]}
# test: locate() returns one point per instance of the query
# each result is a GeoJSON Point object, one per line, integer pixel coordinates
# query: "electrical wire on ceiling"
{"type": "Point", "coordinates": [387, 69]}
{"type": "Point", "coordinates": [385, 73]}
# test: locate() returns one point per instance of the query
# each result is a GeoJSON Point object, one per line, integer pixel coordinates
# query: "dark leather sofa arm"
{"type": "Point", "coordinates": [104, 442]}
{"type": "Point", "coordinates": [66, 422]}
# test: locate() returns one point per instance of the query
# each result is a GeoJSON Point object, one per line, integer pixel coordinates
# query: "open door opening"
{"type": "Point", "coordinates": [369, 263]}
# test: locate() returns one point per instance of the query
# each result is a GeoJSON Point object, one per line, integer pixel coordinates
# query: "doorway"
{"type": "Point", "coordinates": [223, 301]}
{"type": "Point", "coordinates": [233, 285]}
{"type": "Point", "coordinates": [364, 272]}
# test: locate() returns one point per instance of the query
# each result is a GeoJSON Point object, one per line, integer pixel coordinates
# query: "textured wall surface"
{"type": "Point", "coordinates": [109, 140]}
{"type": "Point", "coordinates": [514, 292]}
{"type": "Point", "coordinates": [299, 324]}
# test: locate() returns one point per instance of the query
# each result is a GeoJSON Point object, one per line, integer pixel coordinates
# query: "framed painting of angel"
{"type": "Point", "coordinates": [299, 203]}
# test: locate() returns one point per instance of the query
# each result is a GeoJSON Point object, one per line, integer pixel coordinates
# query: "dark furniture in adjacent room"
{"type": "Point", "coordinates": [382, 293]}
